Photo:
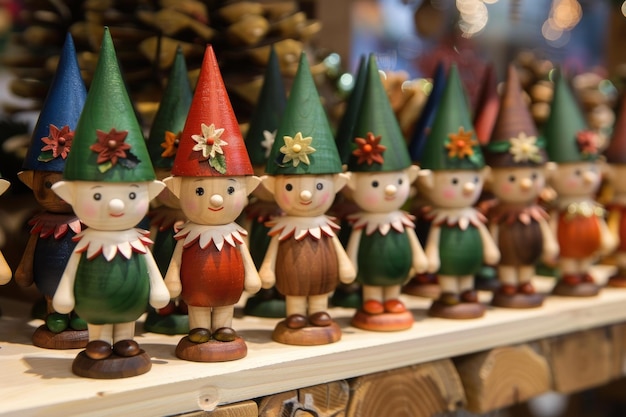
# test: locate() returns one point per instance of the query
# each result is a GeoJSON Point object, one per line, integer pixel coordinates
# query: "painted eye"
{"type": "Point", "coordinates": [476, 180]}
{"type": "Point", "coordinates": [230, 190]}
{"type": "Point", "coordinates": [97, 196]}
{"type": "Point", "coordinates": [511, 178]}
{"type": "Point", "coordinates": [48, 184]}
{"type": "Point", "coordinates": [400, 181]}
{"type": "Point", "coordinates": [199, 191]}
{"type": "Point", "coordinates": [319, 186]}
{"type": "Point", "coordinates": [578, 172]}
{"type": "Point", "coordinates": [288, 187]}
{"type": "Point", "coordinates": [132, 196]}
{"type": "Point", "coordinates": [375, 184]}
{"type": "Point", "coordinates": [533, 176]}
{"type": "Point", "coordinates": [455, 181]}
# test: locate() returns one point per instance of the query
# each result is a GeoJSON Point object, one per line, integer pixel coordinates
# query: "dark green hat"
{"type": "Point", "coordinates": [170, 118]}
{"type": "Point", "coordinates": [108, 142]}
{"type": "Point", "coordinates": [348, 120]}
{"type": "Point", "coordinates": [378, 144]}
{"type": "Point", "coordinates": [267, 113]}
{"type": "Point", "coordinates": [568, 139]}
{"type": "Point", "coordinates": [452, 142]}
{"type": "Point", "coordinates": [304, 141]}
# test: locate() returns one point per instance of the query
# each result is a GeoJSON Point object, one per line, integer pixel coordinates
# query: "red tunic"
{"type": "Point", "coordinates": [578, 235]}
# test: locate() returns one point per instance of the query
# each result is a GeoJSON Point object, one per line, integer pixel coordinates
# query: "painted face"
{"type": "Point", "coordinates": [380, 192]}
{"type": "Point", "coordinates": [213, 200]}
{"type": "Point", "coordinates": [576, 179]}
{"type": "Point", "coordinates": [455, 189]}
{"type": "Point", "coordinates": [166, 197]}
{"type": "Point", "coordinates": [304, 195]}
{"type": "Point", "coordinates": [518, 185]}
{"type": "Point", "coordinates": [111, 206]}
{"type": "Point", "coordinates": [42, 190]}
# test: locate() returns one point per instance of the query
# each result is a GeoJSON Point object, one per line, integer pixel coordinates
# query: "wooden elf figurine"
{"type": "Point", "coordinates": [50, 243]}
{"type": "Point", "coordinates": [517, 158]}
{"type": "Point", "coordinates": [305, 258]}
{"type": "Point", "coordinates": [111, 275]}
{"type": "Point", "coordinates": [268, 302]}
{"type": "Point", "coordinates": [452, 176]}
{"type": "Point", "coordinates": [165, 213]}
{"type": "Point", "coordinates": [211, 265]}
{"type": "Point", "coordinates": [578, 219]}
{"type": "Point", "coordinates": [615, 155]}
{"type": "Point", "coordinates": [383, 245]}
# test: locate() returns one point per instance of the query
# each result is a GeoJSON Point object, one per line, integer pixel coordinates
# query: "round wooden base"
{"type": "Point", "coordinates": [113, 367]}
{"type": "Point", "coordinates": [385, 322]}
{"type": "Point", "coordinates": [306, 336]}
{"type": "Point", "coordinates": [617, 281]}
{"type": "Point", "coordinates": [419, 289]}
{"type": "Point", "coordinates": [67, 339]}
{"type": "Point", "coordinates": [211, 351]}
{"type": "Point", "coordinates": [584, 289]}
{"type": "Point", "coordinates": [170, 324]}
{"type": "Point", "coordinates": [461, 311]}
{"type": "Point", "coordinates": [517, 300]}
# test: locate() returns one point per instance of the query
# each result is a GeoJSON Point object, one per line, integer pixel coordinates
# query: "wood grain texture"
{"type": "Point", "coordinates": [324, 400]}
{"type": "Point", "coordinates": [414, 391]}
{"type": "Point", "coordinates": [242, 409]}
{"type": "Point", "coordinates": [503, 377]}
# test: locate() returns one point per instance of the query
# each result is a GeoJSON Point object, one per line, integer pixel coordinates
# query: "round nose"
{"type": "Point", "coordinates": [216, 200]}
{"type": "Point", "coordinates": [390, 190]}
{"type": "Point", "coordinates": [306, 195]}
{"type": "Point", "coordinates": [590, 177]}
{"type": "Point", "coordinates": [116, 206]}
{"type": "Point", "coordinates": [468, 188]}
{"type": "Point", "coordinates": [525, 184]}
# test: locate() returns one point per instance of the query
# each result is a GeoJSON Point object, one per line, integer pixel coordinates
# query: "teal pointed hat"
{"type": "Point", "coordinates": [452, 142]}
{"type": "Point", "coordinates": [304, 142]}
{"type": "Point", "coordinates": [108, 142]}
{"type": "Point", "coordinates": [568, 139]}
{"type": "Point", "coordinates": [348, 120]}
{"type": "Point", "coordinates": [54, 132]}
{"type": "Point", "coordinates": [267, 113]}
{"type": "Point", "coordinates": [170, 118]}
{"type": "Point", "coordinates": [378, 144]}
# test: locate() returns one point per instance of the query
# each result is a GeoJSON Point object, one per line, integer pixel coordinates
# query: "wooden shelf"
{"type": "Point", "coordinates": [37, 381]}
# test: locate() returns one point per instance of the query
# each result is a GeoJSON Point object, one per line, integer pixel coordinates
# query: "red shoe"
{"type": "Point", "coordinates": [469, 296]}
{"type": "Point", "coordinates": [571, 279]}
{"type": "Point", "coordinates": [373, 307]}
{"type": "Point", "coordinates": [526, 288]}
{"type": "Point", "coordinates": [588, 278]}
{"type": "Point", "coordinates": [394, 306]}
{"type": "Point", "coordinates": [508, 289]}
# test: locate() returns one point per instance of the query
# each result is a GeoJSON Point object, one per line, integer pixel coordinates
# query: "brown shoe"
{"type": "Point", "coordinates": [126, 348]}
{"type": "Point", "coordinates": [449, 298]}
{"type": "Point", "coordinates": [373, 307]}
{"type": "Point", "coordinates": [320, 319]}
{"type": "Point", "coordinates": [225, 334]}
{"type": "Point", "coordinates": [507, 289]}
{"type": "Point", "coordinates": [526, 288]}
{"type": "Point", "coordinates": [469, 296]}
{"type": "Point", "coordinates": [199, 335]}
{"type": "Point", "coordinates": [295, 321]}
{"type": "Point", "coordinates": [571, 279]}
{"type": "Point", "coordinates": [588, 278]}
{"type": "Point", "coordinates": [98, 349]}
{"type": "Point", "coordinates": [394, 306]}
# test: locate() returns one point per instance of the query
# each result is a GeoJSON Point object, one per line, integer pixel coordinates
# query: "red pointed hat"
{"type": "Point", "coordinates": [211, 144]}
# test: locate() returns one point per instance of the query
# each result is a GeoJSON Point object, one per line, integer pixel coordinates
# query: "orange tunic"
{"type": "Point", "coordinates": [578, 235]}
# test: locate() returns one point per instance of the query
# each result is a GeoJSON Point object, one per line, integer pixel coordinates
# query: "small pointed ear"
{"type": "Point", "coordinates": [173, 184]}
{"type": "Point", "coordinates": [252, 182]}
{"type": "Point", "coordinates": [352, 182]}
{"type": "Point", "coordinates": [425, 179]}
{"type": "Point", "coordinates": [268, 181]}
{"type": "Point", "coordinates": [340, 180]}
{"type": "Point", "coordinates": [66, 190]}
{"type": "Point", "coordinates": [27, 177]}
{"type": "Point", "coordinates": [412, 172]}
{"type": "Point", "coordinates": [551, 169]}
{"type": "Point", "coordinates": [155, 188]}
{"type": "Point", "coordinates": [486, 173]}
{"type": "Point", "coordinates": [4, 185]}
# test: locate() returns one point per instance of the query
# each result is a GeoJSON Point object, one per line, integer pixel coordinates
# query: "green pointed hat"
{"type": "Point", "coordinates": [568, 139]}
{"type": "Point", "coordinates": [170, 118]}
{"type": "Point", "coordinates": [267, 113]}
{"type": "Point", "coordinates": [452, 142]}
{"type": "Point", "coordinates": [108, 142]}
{"type": "Point", "coordinates": [346, 125]}
{"type": "Point", "coordinates": [304, 141]}
{"type": "Point", "coordinates": [378, 144]}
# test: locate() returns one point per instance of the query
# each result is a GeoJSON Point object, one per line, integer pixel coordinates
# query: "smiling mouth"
{"type": "Point", "coordinates": [217, 209]}
{"type": "Point", "coordinates": [116, 215]}
{"type": "Point", "coordinates": [390, 198]}
{"type": "Point", "coordinates": [305, 203]}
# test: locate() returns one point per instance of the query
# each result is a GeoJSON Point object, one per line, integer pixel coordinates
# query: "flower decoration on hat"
{"type": "Point", "coordinates": [170, 144]}
{"type": "Point", "coordinates": [210, 144]}
{"type": "Point", "coordinates": [268, 141]}
{"type": "Point", "coordinates": [58, 143]}
{"type": "Point", "coordinates": [297, 149]}
{"type": "Point", "coordinates": [461, 143]}
{"type": "Point", "coordinates": [369, 149]}
{"type": "Point", "coordinates": [587, 141]}
{"type": "Point", "coordinates": [525, 148]}
{"type": "Point", "coordinates": [112, 148]}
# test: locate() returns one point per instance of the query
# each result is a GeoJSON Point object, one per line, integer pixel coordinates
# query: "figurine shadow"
{"type": "Point", "coordinates": [47, 368]}
{"type": "Point", "coordinates": [256, 336]}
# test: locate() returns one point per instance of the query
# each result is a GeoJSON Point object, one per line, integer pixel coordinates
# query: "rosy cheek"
{"type": "Point", "coordinates": [141, 207]}
{"type": "Point", "coordinates": [572, 182]}
{"type": "Point", "coordinates": [506, 188]}
{"type": "Point", "coordinates": [284, 199]}
{"type": "Point", "coordinates": [324, 197]}
{"type": "Point", "coordinates": [90, 209]}
{"type": "Point", "coordinates": [448, 193]}
{"type": "Point", "coordinates": [191, 205]}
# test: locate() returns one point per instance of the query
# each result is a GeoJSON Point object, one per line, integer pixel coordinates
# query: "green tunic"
{"type": "Point", "coordinates": [384, 260]}
{"type": "Point", "coordinates": [115, 291]}
{"type": "Point", "coordinates": [460, 251]}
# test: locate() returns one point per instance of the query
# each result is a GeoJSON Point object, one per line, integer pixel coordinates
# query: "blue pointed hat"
{"type": "Point", "coordinates": [54, 131]}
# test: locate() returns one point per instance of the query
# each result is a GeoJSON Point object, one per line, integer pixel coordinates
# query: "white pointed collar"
{"type": "Point", "coordinates": [109, 243]}
{"type": "Point", "coordinates": [383, 222]}
{"type": "Point", "coordinates": [230, 233]}
{"type": "Point", "coordinates": [299, 227]}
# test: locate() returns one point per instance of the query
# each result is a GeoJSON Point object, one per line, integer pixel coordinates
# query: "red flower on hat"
{"type": "Point", "coordinates": [170, 144]}
{"type": "Point", "coordinates": [59, 141]}
{"type": "Point", "coordinates": [460, 144]}
{"type": "Point", "coordinates": [110, 146]}
{"type": "Point", "coordinates": [587, 141]}
{"type": "Point", "coordinates": [369, 149]}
